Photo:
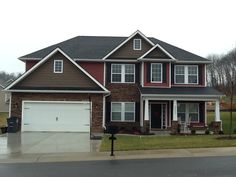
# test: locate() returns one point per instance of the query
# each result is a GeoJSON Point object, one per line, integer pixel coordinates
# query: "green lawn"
{"type": "Point", "coordinates": [125, 142]}
{"type": "Point", "coordinates": [225, 117]}
{"type": "Point", "coordinates": [3, 119]}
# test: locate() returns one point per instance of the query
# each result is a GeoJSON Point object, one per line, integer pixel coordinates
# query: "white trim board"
{"type": "Point", "coordinates": [131, 36]}
{"type": "Point", "coordinates": [44, 60]}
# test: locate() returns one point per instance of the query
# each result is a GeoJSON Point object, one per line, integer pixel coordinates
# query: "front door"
{"type": "Point", "coordinates": [156, 115]}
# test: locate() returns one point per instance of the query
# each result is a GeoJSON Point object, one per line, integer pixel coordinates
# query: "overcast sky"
{"type": "Point", "coordinates": [199, 26]}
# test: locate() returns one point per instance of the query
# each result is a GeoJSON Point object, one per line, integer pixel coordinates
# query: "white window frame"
{"type": "Point", "coordinates": [161, 73]}
{"type": "Point", "coordinates": [123, 112]}
{"type": "Point", "coordinates": [187, 119]}
{"type": "Point", "coordinates": [134, 42]}
{"type": "Point", "coordinates": [122, 73]}
{"type": "Point", "coordinates": [186, 81]}
{"type": "Point", "coordinates": [54, 66]}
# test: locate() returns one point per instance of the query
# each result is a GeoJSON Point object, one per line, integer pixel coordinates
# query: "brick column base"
{"type": "Point", "coordinates": [216, 127]}
{"type": "Point", "coordinates": [146, 126]}
{"type": "Point", "coordinates": [174, 127]}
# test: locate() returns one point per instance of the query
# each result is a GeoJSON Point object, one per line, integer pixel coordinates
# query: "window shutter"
{"type": "Point", "coordinates": [137, 73]}
{"type": "Point", "coordinates": [108, 112]}
{"type": "Point", "coordinates": [172, 73]}
{"type": "Point", "coordinates": [200, 76]}
{"type": "Point", "coordinates": [137, 112]}
{"type": "Point", "coordinates": [108, 73]}
{"type": "Point", "coordinates": [148, 72]}
{"type": "Point", "coordinates": [164, 72]}
{"type": "Point", "coordinates": [201, 112]}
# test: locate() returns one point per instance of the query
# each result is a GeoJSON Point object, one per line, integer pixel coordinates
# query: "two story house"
{"type": "Point", "coordinates": [88, 82]}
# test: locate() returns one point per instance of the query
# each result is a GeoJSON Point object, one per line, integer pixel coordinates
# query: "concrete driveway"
{"type": "Point", "coordinates": [47, 142]}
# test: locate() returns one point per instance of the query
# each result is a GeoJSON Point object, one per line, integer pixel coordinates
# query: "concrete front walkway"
{"type": "Point", "coordinates": [46, 142]}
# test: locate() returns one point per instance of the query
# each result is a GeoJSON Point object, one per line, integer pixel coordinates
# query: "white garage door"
{"type": "Point", "coordinates": [56, 116]}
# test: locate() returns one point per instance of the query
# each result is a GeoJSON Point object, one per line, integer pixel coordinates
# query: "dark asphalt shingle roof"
{"type": "Point", "coordinates": [96, 47]}
{"type": "Point", "coordinates": [181, 91]}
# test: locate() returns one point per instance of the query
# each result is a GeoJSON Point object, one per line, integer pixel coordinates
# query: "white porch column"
{"type": "Point", "coordinates": [146, 111]}
{"type": "Point", "coordinates": [217, 111]}
{"type": "Point", "coordinates": [175, 117]}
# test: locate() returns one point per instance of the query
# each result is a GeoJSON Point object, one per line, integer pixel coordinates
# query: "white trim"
{"type": "Point", "coordinates": [205, 107]}
{"type": "Point", "coordinates": [9, 114]}
{"type": "Point", "coordinates": [123, 112]}
{"type": "Point", "coordinates": [54, 66]}
{"type": "Point", "coordinates": [192, 62]}
{"type": "Point", "coordinates": [121, 60]}
{"type": "Point", "coordinates": [131, 36]}
{"type": "Point", "coordinates": [142, 74]}
{"type": "Point", "coordinates": [141, 111]}
{"type": "Point", "coordinates": [25, 59]}
{"type": "Point", "coordinates": [104, 74]}
{"type": "Point", "coordinates": [186, 75]}
{"type": "Point", "coordinates": [161, 73]}
{"type": "Point", "coordinates": [140, 42]}
{"type": "Point", "coordinates": [170, 72]}
{"type": "Point", "coordinates": [123, 74]}
{"type": "Point", "coordinates": [88, 59]}
{"type": "Point", "coordinates": [205, 70]}
{"type": "Point", "coordinates": [160, 47]}
{"type": "Point", "coordinates": [155, 59]}
{"type": "Point", "coordinates": [56, 91]}
{"type": "Point", "coordinates": [45, 59]}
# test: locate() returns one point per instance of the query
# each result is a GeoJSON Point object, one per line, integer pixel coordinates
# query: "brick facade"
{"type": "Point", "coordinates": [96, 99]}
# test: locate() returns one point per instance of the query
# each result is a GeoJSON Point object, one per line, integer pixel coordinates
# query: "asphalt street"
{"type": "Point", "coordinates": [166, 167]}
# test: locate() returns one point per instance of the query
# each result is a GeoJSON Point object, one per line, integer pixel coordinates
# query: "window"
{"type": "Point", "coordinates": [188, 112]}
{"type": "Point", "coordinates": [123, 112]}
{"type": "Point", "coordinates": [137, 44]}
{"type": "Point", "coordinates": [58, 66]}
{"type": "Point", "coordinates": [122, 73]}
{"type": "Point", "coordinates": [186, 74]}
{"type": "Point", "coordinates": [156, 72]}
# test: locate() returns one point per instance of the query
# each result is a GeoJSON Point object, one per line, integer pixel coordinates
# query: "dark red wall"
{"type": "Point", "coordinates": [29, 64]}
{"type": "Point", "coordinates": [95, 69]}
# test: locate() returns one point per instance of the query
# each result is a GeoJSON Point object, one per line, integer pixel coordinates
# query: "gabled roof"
{"type": "Point", "coordinates": [102, 88]}
{"type": "Point", "coordinates": [100, 47]}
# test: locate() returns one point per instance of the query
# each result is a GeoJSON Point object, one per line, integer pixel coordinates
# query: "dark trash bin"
{"type": "Point", "coordinates": [13, 124]}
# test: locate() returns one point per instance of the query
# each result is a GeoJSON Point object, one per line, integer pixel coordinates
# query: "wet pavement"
{"type": "Point", "coordinates": [47, 142]}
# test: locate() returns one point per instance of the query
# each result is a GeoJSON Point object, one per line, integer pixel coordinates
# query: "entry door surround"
{"type": "Point", "coordinates": [158, 115]}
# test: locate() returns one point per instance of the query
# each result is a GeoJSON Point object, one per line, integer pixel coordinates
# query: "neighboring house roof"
{"type": "Point", "coordinates": [1, 86]}
{"type": "Point", "coordinates": [97, 47]}
{"type": "Point", "coordinates": [200, 91]}
{"type": "Point", "coordinates": [101, 89]}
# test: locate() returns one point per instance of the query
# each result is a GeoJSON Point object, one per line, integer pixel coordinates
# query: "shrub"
{"type": "Point", "coordinates": [193, 132]}
{"type": "Point", "coordinates": [207, 132]}
{"type": "Point", "coordinates": [221, 132]}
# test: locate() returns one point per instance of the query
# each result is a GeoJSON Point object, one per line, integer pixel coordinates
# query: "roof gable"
{"type": "Point", "coordinates": [41, 76]}
{"type": "Point", "coordinates": [125, 49]}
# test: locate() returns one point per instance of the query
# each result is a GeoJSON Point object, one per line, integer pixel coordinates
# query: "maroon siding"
{"type": "Point", "coordinates": [94, 69]}
{"type": "Point", "coordinates": [30, 63]}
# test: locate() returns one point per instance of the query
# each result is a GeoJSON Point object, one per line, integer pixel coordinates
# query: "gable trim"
{"type": "Point", "coordinates": [131, 36]}
{"type": "Point", "coordinates": [45, 59]}
{"type": "Point", "coordinates": [154, 47]}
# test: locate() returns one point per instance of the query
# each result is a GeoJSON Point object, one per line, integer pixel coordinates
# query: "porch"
{"type": "Point", "coordinates": [178, 112]}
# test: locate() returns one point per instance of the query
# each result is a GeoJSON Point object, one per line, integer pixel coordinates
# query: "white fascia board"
{"type": "Point", "coordinates": [57, 91]}
{"type": "Point", "coordinates": [155, 59]}
{"type": "Point", "coordinates": [45, 59]}
{"type": "Point", "coordinates": [89, 60]}
{"type": "Point", "coordinates": [182, 97]}
{"type": "Point", "coordinates": [131, 36]}
{"type": "Point", "coordinates": [121, 60]}
{"type": "Point", "coordinates": [25, 59]}
{"type": "Point", "coordinates": [160, 47]}
{"type": "Point", "coordinates": [193, 62]}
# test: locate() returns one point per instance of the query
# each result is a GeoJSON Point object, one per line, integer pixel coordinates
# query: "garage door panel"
{"type": "Point", "coordinates": [43, 116]}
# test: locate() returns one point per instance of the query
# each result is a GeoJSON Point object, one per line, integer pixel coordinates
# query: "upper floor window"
{"type": "Point", "coordinates": [123, 111]}
{"type": "Point", "coordinates": [156, 72]}
{"type": "Point", "coordinates": [186, 74]}
{"type": "Point", "coordinates": [58, 66]}
{"type": "Point", "coordinates": [137, 45]}
{"type": "Point", "coordinates": [122, 73]}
